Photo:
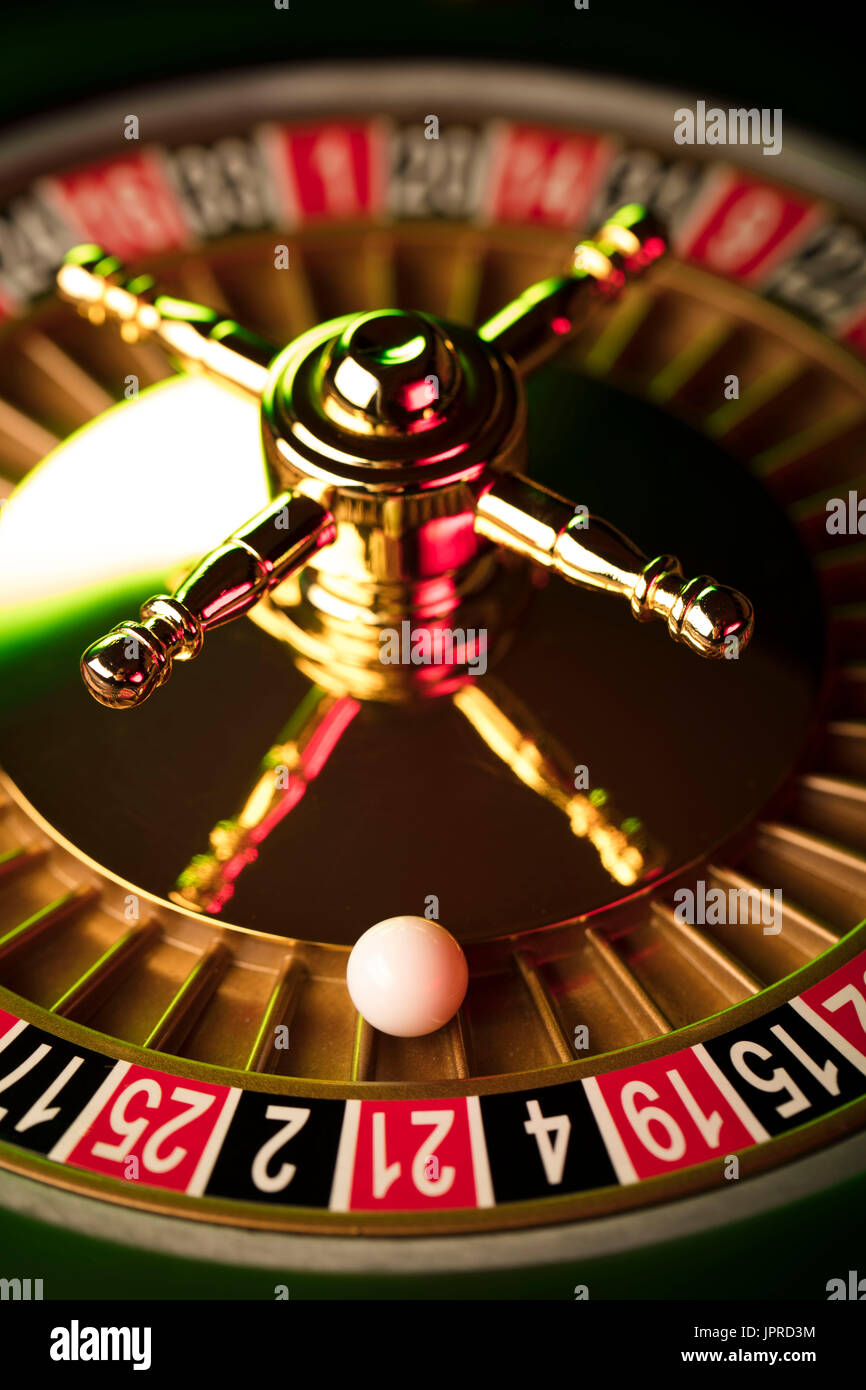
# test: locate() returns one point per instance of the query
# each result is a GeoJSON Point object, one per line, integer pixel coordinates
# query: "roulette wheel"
{"type": "Point", "coordinates": [426, 342]}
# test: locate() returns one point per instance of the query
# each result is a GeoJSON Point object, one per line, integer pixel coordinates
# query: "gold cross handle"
{"type": "Point", "coordinates": [301, 752]}
{"type": "Point", "coordinates": [712, 620]}
{"type": "Point", "coordinates": [536, 326]}
{"type": "Point", "coordinates": [195, 337]}
{"type": "Point", "coordinates": [126, 666]}
{"type": "Point", "coordinates": [400, 424]}
{"type": "Point", "coordinates": [625, 848]}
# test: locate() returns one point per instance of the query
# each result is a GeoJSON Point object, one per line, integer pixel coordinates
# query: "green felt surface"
{"type": "Point", "coordinates": [789, 1253]}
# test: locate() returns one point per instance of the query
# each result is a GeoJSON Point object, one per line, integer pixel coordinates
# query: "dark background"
{"type": "Point", "coordinates": [806, 59]}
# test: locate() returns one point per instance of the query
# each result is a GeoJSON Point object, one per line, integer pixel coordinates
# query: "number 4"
{"type": "Point", "coordinates": [551, 1151]}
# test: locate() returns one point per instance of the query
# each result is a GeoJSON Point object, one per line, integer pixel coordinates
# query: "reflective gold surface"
{"type": "Point", "coordinates": [413, 803]}
{"type": "Point", "coordinates": [124, 668]}
{"type": "Point", "coordinates": [199, 339]}
{"type": "Point", "coordinates": [622, 844]}
{"type": "Point", "coordinates": [439, 489]}
{"type": "Point", "coordinates": [712, 620]}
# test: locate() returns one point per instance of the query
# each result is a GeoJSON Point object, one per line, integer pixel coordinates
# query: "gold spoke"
{"type": "Point", "coordinates": [45, 919]}
{"type": "Point", "coordinates": [84, 994]}
{"type": "Point", "coordinates": [189, 1001]}
{"type": "Point", "coordinates": [544, 1007]}
{"type": "Point", "coordinates": [24, 442]}
{"type": "Point", "coordinates": [280, 1009]}
{"type": "Point", "coordinates": [730, 977]}
{"type": "Point", "coordinates": [626, 985]}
